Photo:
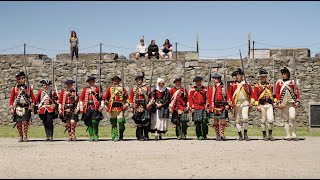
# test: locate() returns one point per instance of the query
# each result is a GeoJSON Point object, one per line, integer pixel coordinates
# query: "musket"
{"type": "Point", "coordinates": [26, 72]}
{"type": "Point", "coordinates": [100, 87]}
{"type": "Point", "coordinates": [274, 81]}
{"type": "Point", "coordinates": [53, 85]}
{"type": "Point", "coordinates": [152, 66]}
{"type": "Point", "coordinates": [76, 80]}
{"type": "Point", "coordinates": [27, 78]}
{"type": "Point", "coordinates": [209, 83]}
{"type": "Point", "coordinates": [225, 84]}
{"type": "Point", "coordinates": [122, 78]}
{"type": "Point", "coordinates": [224, 76]}
{"type": "Point", "coordinates": [294, 76]}
{"type": "Point", "coordinates": [244, 75]}
{"type": "Point", "coordinates": [184, 79]}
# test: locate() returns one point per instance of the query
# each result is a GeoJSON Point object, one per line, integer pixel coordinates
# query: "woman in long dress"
{"type": "Point", "coordinates": [160, 109]}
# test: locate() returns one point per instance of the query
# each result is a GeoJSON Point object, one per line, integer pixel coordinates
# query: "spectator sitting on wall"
{"type": "Point", "coordinates": [166, 49]}
{"type": "Point", "coordinates": [141, 50]}
{"type": "Point", "coordinates": [153, 50]}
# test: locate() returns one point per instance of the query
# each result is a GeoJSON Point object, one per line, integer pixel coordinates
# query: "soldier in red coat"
{"type": "Point", "coordinates": [197, 104]}
{"type": "Point", "coordinates": [217, 106]}
{"type": "Point", "coordinates": [264, 100]}
{"type": "Point", "coordinates": [46, 101]}
{"type": "Point", "coordinates": [241, 99]}
{"type": "Point", "coordinates": [21, 104]}
{"type": "Point", "coordinates": [139, 98]}
{"type": "Point", "coordinates": [179, 108]}
{"type": "Point", "coordinates": [288, 100]}
{"type": "Point", "coordinates": [67, 106]}
{"type": "Point", "coordinates": [89, 107]}
{"type": "Point", "coordinates": [116, 98]}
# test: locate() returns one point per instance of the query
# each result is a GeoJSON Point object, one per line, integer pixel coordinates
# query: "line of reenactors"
{"type": "Point", "coordinates": [202, 103]}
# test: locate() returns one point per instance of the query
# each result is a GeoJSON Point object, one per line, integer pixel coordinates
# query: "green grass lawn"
{"type": "Point", "coordinates": [105, 132]}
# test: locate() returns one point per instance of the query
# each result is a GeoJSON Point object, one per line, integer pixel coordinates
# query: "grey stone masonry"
{"type": "Point", "coordinates": [39, 66]}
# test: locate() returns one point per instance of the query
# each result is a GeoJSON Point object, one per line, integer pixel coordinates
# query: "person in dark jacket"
{"type": "Point", "coordinates": [153, 50]}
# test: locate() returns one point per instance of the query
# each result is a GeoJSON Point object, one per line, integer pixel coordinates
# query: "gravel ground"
{"type": "Point", "coordinates": [168, 158]}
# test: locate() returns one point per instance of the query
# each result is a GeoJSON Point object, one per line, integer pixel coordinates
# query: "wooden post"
{"type": "Point", "coordinates": [143, 37]}
{"type": "Point", "coordinates": [197, 43]}
{"type": "Point", "coordinates": [249, 45]}
{"type": "Point", "coordinates": [176, 50]}
{"type": "Point", "coordinates": [253, 49]}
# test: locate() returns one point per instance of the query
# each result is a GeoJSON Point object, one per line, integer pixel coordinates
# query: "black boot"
{"type": "Point", "coordinates": [140, 133]}
{"type": "Point", "coordinates": [146, 132]}
{"type": "Point", "coordinates": [246, 135]}
{"type": "Point", "coordinates": [240, 136]}
{"type": "Point", "coordinates": [47, 134]}
{"type": "Point", "coordinates": [270, 136]}
{"type": "Point", "coordinates": [120, 136]}
{"type": "Point", "coordinates": [265, 136]}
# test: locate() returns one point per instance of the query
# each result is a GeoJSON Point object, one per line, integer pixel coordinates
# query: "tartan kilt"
{"type": "Point", "coordinates": [176, 118]}
{"type": "Point", "coordinates": [25, 117]}
{"type": "Point", "coordinates": [222, 116]}
{"type": "Point", "coordinates": [163, 113]}
{"type": "Point", "coordinates": [199, 115]}
{"type": "Point", "coordinates": [91, 114]}
{"type": "Point", "coordinates": [69, 116]}
{"type": "Point", "coordinates": [141, 117]}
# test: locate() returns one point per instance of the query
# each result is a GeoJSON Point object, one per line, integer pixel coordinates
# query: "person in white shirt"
{"type": "Point", "coordinates": [142, 50]}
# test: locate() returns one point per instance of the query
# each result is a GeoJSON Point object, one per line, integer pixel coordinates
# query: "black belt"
{"type": "Point", "coordinates": [68, 105]}
{"type": "Point", "coordinates": [117, 104]}
{"type": "Point", "coordinates": [91, 102]}
{"type": "Point", "coordinates": [23, 104]}
{"type": "Point", "coordinates": [264, 101]}
{"type": "Point", "coordinates": [140, 102]}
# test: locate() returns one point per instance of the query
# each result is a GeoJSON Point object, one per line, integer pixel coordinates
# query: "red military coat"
{"type": "Point", "coordinates": [44, 102]}
{"type": "Point", "coordinates": [234, 92]}
{"type": "Point", "coordinates": [180, 103]}
{"type": "Point", "coordinates": [197, 97]}
{"type": "Point", "coordinates": [139, 94]}
{"type": "Point", "coordinates": [281, 87]}
{"type": "Point", "coordinates": [114, 94]}
{"type": "Point", "coordinates": [216, 94]}
{"type": "Point", "coordinates": [67, 97]}
{"type": "Point", "coordinates": [89, 99]}
{"type": "Point", "coordinates": [15, 92]}
{"type": "Point", "coordinates": [263, 91]}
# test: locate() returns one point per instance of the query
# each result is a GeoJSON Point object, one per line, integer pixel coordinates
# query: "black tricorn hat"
{"type": "Point", "coordinates": [238, 71]}
{"type": "Point", "coordinates": [69, 81]}
{"type": "Point", "coordinates": [91, 78]}
{"type": "Point", "coordinates": [198, 78]}
{"type": "Point", "coordinates": [178, 78]}
{"type": "Point", "coordinates": [263, 72]}
{"type": "Point", "coordinates": [140, 75]}
{"type": "Point", "coordinates": [216, 75]}
{"type": "Point", "coordinates": [115, 77]}
{"type": "Point", "coordinates": [45, 81]}
{"type": "Point", "coordinates": [20, 74]}
{"type": "Point", "coordinates": [285, 70]}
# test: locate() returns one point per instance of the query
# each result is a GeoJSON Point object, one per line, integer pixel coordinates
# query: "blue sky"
{"type": "Point", "coordinates": [221, 25]}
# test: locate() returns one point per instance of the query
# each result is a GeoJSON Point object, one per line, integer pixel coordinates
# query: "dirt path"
{"type": "Point", "coordinates": [160, 159]}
